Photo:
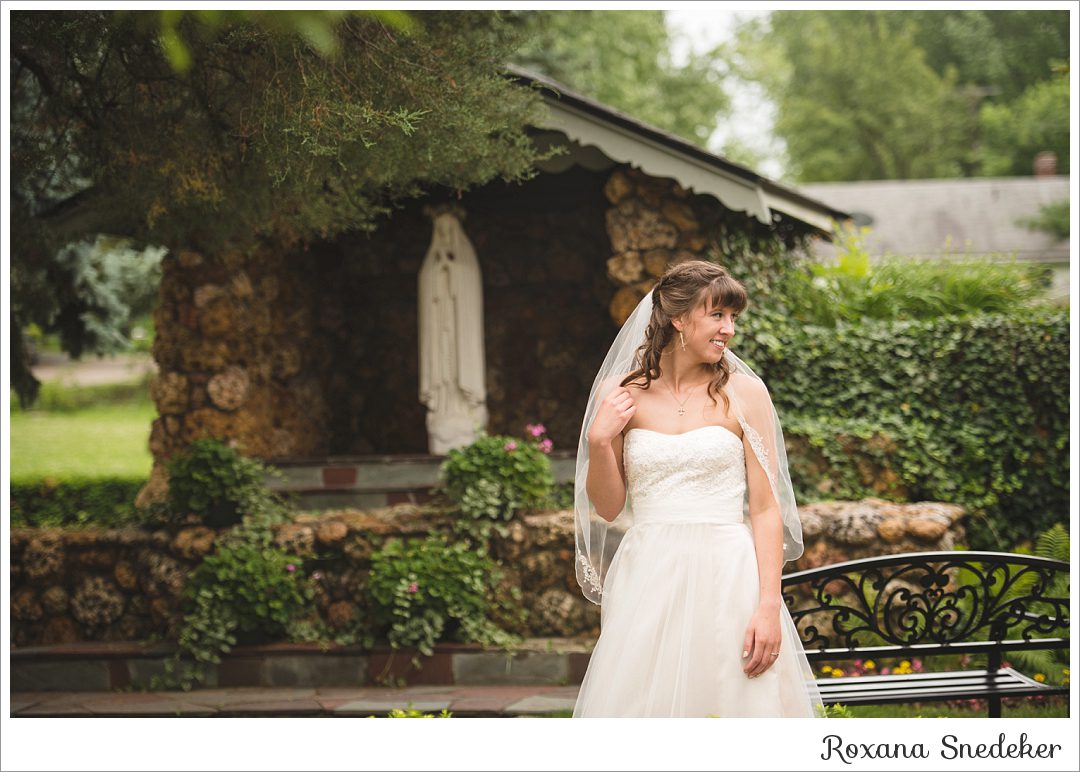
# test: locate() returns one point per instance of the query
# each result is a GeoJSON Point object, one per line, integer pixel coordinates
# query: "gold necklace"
{"type": "Point", "coordinates": [682, 409]}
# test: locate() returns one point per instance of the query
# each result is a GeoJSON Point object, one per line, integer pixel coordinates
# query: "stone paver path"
{"type": "Point", "coordinates": [461, 701]}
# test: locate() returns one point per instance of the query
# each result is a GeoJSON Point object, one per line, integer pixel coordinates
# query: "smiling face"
{"type": "Point", "coordinates": [708, 330]}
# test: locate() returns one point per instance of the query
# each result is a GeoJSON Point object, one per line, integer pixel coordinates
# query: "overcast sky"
{"type": "Point", "coordinates": [701, 27]}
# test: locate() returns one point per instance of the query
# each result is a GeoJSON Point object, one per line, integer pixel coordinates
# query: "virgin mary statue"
{"type": "Point", "coordinates": [451, 324]}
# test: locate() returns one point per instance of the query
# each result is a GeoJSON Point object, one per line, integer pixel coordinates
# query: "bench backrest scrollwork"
{"type": "Point", "coordinates": [926, 603]}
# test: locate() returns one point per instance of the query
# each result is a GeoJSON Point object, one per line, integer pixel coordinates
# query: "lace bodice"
{"type": "Point", "coordinates": [703, 468]}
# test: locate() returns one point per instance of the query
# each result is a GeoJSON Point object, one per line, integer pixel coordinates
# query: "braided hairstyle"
{"type": "Point", "coordinates": [681, 289]}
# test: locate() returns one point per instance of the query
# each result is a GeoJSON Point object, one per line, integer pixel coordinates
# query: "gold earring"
{"type": "Point", "coordinates": [682, 340]}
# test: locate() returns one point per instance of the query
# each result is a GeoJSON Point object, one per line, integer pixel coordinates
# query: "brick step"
{"type": "Point", "coordinates": [90, 667]}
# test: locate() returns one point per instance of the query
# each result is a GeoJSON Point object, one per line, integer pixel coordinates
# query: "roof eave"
{"type": "Point", "coordinates": [591, 123]}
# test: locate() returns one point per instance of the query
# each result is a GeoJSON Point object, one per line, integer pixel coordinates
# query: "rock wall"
{"type": "Point", "coordinates": [314, 354]}
{"type": "Point", "coordinates": [125, 584]}
{"type": "Point", "coordinates": [835, 531]}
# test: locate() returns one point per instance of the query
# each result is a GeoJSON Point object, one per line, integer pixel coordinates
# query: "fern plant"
{"type": "Point", "coordinates": [1045, 664]}
{"type": "Point", "coordinates": [1051, 664]}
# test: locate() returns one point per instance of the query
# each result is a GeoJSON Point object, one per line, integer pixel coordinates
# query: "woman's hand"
{"type": "Point", "coordinates": [761, 641]}
{"type": "Point", "coordinates": [615, 412]}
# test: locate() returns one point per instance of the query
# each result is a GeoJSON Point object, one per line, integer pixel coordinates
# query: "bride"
{"type": "Point", "coordinates": [685, 516]}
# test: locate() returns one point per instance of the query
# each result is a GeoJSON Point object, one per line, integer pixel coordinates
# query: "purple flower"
{"type": "Point", "coordinates": [511, 445]}
{"type": "Point", "coordinates": [414, 587]}
{"type": "Point", "coordinates": [290, 568]}
{"type": "Point", "coordinates": [546, 445]}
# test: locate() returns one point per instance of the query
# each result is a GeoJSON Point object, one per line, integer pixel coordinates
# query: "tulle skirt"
{"type": "Point", "coordinates": [677, 600]}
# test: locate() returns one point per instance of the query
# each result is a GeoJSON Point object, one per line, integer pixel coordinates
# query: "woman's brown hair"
{"type": "Point", "coordinates": [681, 289]}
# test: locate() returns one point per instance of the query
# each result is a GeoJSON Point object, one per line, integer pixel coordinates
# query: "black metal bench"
{"type": "Point", "coordinates": [931, 603]}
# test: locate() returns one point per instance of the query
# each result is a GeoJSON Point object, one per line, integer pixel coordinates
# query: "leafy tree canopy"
{"type": "Point", "coordinates": [909, 94]}
{"type": "Point", "coordinates": [213, 130]}
{"type": "Point", "coordinates": [623, 59]}
{"type": "Point", "coordinates": [261, 134]}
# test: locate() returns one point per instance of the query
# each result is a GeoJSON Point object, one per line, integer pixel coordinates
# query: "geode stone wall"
{"type": "Point", "coordinates": [314, 354]}
{"type": "Point", "coordinates": [125, 584]}
{"type": "Point", "coordinates": [242, 344]}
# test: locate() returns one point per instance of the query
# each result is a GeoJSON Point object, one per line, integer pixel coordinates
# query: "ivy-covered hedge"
{"type": "Point", "coordinates": [973, 410]}
{"type": "Point", "coordinates": [102, 502]}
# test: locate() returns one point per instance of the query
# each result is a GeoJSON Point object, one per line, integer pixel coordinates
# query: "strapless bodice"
{"type": "Point", "coordinates": [692, 476]}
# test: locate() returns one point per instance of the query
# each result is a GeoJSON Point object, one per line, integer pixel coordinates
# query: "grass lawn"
{"type": "Point", "coordinates": [99, 441]}
{"type": "Point", "coordinates": [1053, 707]}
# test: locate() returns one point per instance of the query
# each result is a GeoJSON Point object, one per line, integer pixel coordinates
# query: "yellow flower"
{"type": "Point", "coordinates": [1040, 677]}
{"type": "Point", "coordinates": [869, 664]}
{"type": "Point", "coordinates": [905, 663]}
{"type": "Point", "coordinates": [1065, 671]}
{"type": "Point", "coordinates": [837, 673]}
{"type": "Point", "coordinates": [826, 669]}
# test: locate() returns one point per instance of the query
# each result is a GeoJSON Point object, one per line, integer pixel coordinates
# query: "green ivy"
{"type": "Point", "coordinates": [970, 410]}
{"type": "Point", "coordinates": [427, 590]}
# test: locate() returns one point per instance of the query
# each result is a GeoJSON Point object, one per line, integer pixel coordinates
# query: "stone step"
{"type": "Point", "coordinates": [361, 482]}
{"type": "Point", "coordinates": [89, 667]}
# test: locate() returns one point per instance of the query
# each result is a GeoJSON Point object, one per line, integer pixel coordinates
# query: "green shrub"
{"type": "Point", "coordinates": [106, 503]}
{"type": "Point", "coordinates": [211, 480]}
{"type": "Point", "coordinates": [972, 410]}
{"type": "Point", "coordinates": [247, 591]}
{"type": "Point", "coordinates": [836, 710]}
{"type": "Point", "coordinates": [261, 585]}
{"type": "Point", "coordinates": [415, 713]}
{"type": "Point", "coordinates": [497, 476]}
{"type": "Point", "coordinates": [433, 589]}
{"type": "Point", "coordinates": [853, 289]}
{"type": "Point", "coordinates": [1052, 218]}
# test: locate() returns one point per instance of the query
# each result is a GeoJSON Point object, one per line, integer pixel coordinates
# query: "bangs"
{"type": "Point", "coordinates": [724, 292]}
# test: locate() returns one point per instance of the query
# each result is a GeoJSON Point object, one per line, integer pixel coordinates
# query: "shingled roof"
{"type": "Point", "coordinates": [592, 126]}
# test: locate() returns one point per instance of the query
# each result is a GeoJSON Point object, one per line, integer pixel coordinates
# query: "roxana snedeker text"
{"type": "Point", "coordinates": [951, 747]}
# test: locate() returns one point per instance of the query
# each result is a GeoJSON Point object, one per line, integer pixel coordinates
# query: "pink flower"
{"type": "Point", "coordinates": [535, 429]}
{"type": "Point", "coordinates": [316, 575]}
{"type": "Point", "coordinates": [414, 587]}
{"type": "Point", "coordinates": [290, 568]}
{"type": "Point", "coordinates": [884, 671]}
{"type": "Point", "coordinates": [546, 445]}
{"type": "Point", "coordinates": [511, 445]}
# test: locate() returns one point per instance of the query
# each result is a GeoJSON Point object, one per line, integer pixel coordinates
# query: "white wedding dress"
{"type": "Point", "coordinates": [680, 592]}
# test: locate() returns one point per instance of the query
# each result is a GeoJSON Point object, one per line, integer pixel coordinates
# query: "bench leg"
{"type": "Point", "coordinates": [994, 705]}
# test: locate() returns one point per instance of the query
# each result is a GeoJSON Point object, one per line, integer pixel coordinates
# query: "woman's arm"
{"type": "Point", "coordinates": [606, 481]}
{"type": "Point", "coordinates": [763, 634]}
